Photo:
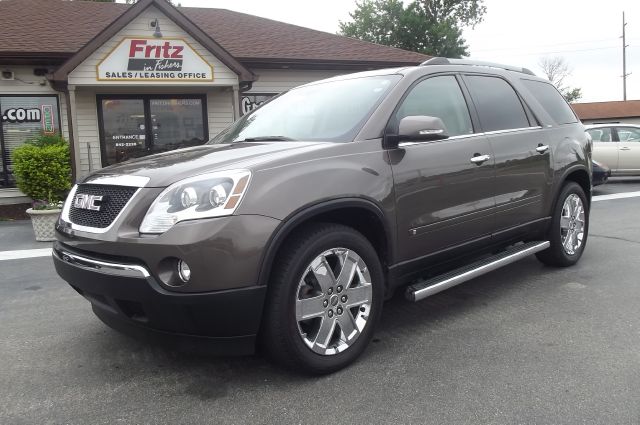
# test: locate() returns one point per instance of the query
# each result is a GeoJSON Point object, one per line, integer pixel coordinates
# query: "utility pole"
{"type": "Point", "coordinates": [624, 59]}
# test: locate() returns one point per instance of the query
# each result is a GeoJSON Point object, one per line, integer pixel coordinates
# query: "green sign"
{"type": "Point", "coordinates": [47, 120]}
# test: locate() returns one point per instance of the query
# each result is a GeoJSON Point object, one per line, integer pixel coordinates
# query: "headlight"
{"type": "Point", "coordinates": [203, 196]}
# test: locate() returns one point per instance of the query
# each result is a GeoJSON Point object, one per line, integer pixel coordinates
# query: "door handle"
{"type": "Point", "coordinates": [625, 148]}
{"type": "Point", "coordinates": [479, 159]}
{"type": "Point", "coordinates": [542, 148]}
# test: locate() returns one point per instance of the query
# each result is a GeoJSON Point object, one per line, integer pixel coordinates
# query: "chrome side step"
{"type": "Point", "coordinates": [426, 288]}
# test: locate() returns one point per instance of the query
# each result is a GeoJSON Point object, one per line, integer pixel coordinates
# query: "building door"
{"type": "Point", "coordinates": [135, 126]}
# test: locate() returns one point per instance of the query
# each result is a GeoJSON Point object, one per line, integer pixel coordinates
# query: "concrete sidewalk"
{"type": "Point", "coordinates": [18, 234]}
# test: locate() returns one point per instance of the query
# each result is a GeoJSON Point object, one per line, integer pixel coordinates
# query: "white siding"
{"type": "Point", "coordinates": [279, 80]}
{"type": "Point", "coordinates": [85, 73]}
{"type": "Point", "coordinates": [88, 140]}
{"type": "Point", "coordinates": [220, 110]}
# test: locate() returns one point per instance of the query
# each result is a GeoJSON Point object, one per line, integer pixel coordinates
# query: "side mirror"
{"type": "Point", "coordinates": [421, 128]}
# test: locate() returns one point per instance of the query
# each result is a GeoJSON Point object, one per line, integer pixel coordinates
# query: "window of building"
{"type": "Point", "coordinates": [23, 118]}
{"type": "Point", "coordinates": [552, 101]}
{"type": "Point", "coordinates": [439, 97]}
{"type": "Point", "coordinates": [135, 126]}
{"type": "Point", "coordinates": [498, 105]}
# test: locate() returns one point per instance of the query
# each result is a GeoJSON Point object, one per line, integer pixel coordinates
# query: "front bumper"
{"type": "Point", "coordinates": [127, 297]}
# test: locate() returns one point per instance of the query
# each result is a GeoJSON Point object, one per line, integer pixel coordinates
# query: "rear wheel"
{"type": "Point", "coordinates": [569, 228]}
{"type": "Point", "coordinates": [324, 299]}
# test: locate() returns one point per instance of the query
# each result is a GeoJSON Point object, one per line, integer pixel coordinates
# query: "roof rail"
{"type": "Point", "coordinates": [447, 61]}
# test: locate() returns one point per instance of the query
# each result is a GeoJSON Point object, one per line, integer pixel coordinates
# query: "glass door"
{"type": "Point", "coordinates": [135, 126]}
{"type": "Point", "coordinates": [176, 123]}
{"type": "Point", "coordinates": [123, 130]}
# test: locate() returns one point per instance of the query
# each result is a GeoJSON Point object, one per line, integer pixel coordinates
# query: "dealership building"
{"type": "Point", "coordinates": [122, 81]}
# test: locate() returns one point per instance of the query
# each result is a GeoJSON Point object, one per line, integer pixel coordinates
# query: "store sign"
{"type": "Point", "coordinates": [253, 101]}
{"type": "Point", "coordinates": [154, 59]}
{"type": "Point", "coordinates": [43, 114]}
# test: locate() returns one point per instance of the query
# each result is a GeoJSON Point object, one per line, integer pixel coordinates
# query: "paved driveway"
{"type": "Point", "coordinates": [525, 344]}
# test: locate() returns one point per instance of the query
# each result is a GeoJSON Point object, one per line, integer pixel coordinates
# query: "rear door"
{"type": "Point", "coordinates": [605, 146]}
{"type": "Point", "coordinates": [521, 150]}
{"type": "Point", "coordinates": [442, 198]}
{"type": "Point", "coordinates": [628, 150]}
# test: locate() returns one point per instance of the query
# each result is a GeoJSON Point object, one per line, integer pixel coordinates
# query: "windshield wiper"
{"type": "Point", "coordinates": [268, 139]}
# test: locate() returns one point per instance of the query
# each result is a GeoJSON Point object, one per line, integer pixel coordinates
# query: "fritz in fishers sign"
{"type": "Point", "coordinates": [154, 59]}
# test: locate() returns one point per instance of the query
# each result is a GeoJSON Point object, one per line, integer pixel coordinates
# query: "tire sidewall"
{"type": "Point", "coordinates": [351, 240]}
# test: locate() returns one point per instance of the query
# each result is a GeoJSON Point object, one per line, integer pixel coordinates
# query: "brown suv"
{"type": "Point", "coordinates": [293, 225]}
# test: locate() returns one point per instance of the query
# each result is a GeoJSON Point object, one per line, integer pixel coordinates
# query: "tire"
{"type": "Point", "coordinates": [303, 307]}
{"type": "Point", "coordinates": [565, 223]}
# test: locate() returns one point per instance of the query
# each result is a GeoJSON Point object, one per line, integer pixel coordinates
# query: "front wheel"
{"type": "Point", "coordinates": [324, 299]}
{"type": "Point", "coordinates": [569, 228]}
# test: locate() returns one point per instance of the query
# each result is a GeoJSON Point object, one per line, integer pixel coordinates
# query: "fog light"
{"type": "Point", "coordinates": [184, 271]}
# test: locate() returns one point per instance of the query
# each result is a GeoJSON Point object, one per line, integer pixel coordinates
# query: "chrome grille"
{"type": "Point", "coordinates": [114, 199]}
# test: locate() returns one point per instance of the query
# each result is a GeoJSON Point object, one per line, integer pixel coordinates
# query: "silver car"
{"type": "Point", "coordinates": [617, 146]}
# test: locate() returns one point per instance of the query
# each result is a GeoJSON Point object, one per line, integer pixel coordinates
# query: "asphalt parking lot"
{"type": "Point", "coordinates": [525, 344]}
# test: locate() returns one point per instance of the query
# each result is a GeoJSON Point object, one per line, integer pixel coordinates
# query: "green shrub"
{"type": "Point", "coordinates": [42, 168]}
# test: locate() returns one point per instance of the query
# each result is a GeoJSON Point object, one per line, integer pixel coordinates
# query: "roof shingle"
{"type": "Point", "coordinates": [63, 27]}
{"type": "Point", "coordinates": [602, 110]}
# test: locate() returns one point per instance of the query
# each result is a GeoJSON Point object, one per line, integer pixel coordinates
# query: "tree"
{"type": "Point", "coordinates": [432, 27]}
{"type": "Point", "coordinates": [556, 69]}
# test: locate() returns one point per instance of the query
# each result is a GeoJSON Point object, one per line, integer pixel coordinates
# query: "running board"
{"type": "Point", "coordinates": [426, 288]}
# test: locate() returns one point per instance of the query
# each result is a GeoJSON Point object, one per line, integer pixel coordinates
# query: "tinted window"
{"type": "Point", "coordinates": [601, 134]}
{"type": "Point", "coordinates": [552, 101]}
{"type": "Point", "coordinates": [439, 97]}
{"type": "Point", "coordinates": [628, 134]}
{"type": "Point", "coordinates": [498, 105]}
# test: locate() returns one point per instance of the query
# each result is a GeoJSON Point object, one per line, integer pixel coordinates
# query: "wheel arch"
{"type": "Point", "coordinates": [361, 214]}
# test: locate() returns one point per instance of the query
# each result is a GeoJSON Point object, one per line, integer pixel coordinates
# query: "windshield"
{"type": "Point", "coordinates": [330, 111]}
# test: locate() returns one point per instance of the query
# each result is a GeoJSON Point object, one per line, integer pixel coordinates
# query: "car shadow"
{"type": "Point", "coordinates": [210, 377]}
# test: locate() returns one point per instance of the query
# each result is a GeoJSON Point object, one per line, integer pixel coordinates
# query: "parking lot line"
{"type": "Point", "coordinates": [615, 196]}
{"type": "Point", "coordinates": [25, 253]}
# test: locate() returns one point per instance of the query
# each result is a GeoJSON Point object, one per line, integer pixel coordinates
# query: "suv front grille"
{"type": "Point", "coordinates": [114, 198]}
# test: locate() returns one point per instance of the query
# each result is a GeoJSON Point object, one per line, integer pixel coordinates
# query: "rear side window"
{"type": "Point", "coordinates": [552, 101]}
{"type": "Point", "coordinates": [628, 134]}
{"type": "Point", "coordinates": [439, 97]}
{"type": "Point", "coordinates": [498, 105]}
{"type": "Point", "coordinates": [603, 134]}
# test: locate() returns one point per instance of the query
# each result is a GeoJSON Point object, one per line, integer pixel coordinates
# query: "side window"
{"type": "Point", "coordinates": [628, 134]}
{"type": "Point", "coordinates": [498, 105]}
{"type": "Point", "coordinates": [439, 97]}
{"type": "Point", "coordinates": [552, 101]}
{"type": "Point", "coordinates": [601, 134]}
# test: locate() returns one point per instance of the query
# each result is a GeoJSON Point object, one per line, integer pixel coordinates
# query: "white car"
{"type": "Point", "coordinates": [617, 146]}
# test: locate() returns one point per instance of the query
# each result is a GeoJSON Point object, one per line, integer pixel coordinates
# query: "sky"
{"type": "Point", "coordinates": [585, 33]}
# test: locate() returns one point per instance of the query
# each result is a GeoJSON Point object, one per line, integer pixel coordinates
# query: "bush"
{"type": "Point", "coordinates": [42, 168]}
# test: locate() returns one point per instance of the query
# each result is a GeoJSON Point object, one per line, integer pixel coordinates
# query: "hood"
{"type": "Point", "coordinates": [169, 167]}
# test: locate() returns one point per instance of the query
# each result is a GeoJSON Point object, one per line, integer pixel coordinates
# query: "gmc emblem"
{"type": "Point", "coordinates": [87, 202]}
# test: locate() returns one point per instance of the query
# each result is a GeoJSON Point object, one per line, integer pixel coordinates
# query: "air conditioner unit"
{"type": "Point", "coordinates": [7, 76]}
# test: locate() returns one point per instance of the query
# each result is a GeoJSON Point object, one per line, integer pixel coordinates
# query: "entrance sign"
{"type": "Point", "coordinates": [154, 59]}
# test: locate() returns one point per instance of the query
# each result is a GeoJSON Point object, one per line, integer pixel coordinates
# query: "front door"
{"type": "Point", "coordinates": [443, 199]}
{"type": "Point", "coordinates": [628, 150]}
{"type": "Point", "coordinates": [135, 126]}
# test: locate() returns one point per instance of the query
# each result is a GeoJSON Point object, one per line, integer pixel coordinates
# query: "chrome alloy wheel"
{"type": "Point", "coordinates": [572, 224]}
{"type": "Point", "coordinates": [333, 301]}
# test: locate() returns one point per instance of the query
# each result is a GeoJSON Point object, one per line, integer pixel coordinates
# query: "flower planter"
{"type": "Point", "coordinates": [44, 222]}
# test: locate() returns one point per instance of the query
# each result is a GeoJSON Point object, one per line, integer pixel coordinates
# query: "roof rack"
{"type": "Point", "coordinates": [447, 61]}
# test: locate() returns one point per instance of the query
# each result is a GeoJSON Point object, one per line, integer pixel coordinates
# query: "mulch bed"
{"type": "Point", "coordinates": [14, 212]}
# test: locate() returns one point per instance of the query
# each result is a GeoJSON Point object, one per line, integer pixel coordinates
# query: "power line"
{"type": "Point", "coordinates": [557, 51]}
{"type": "Point", "coordinates": [549, 45]}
